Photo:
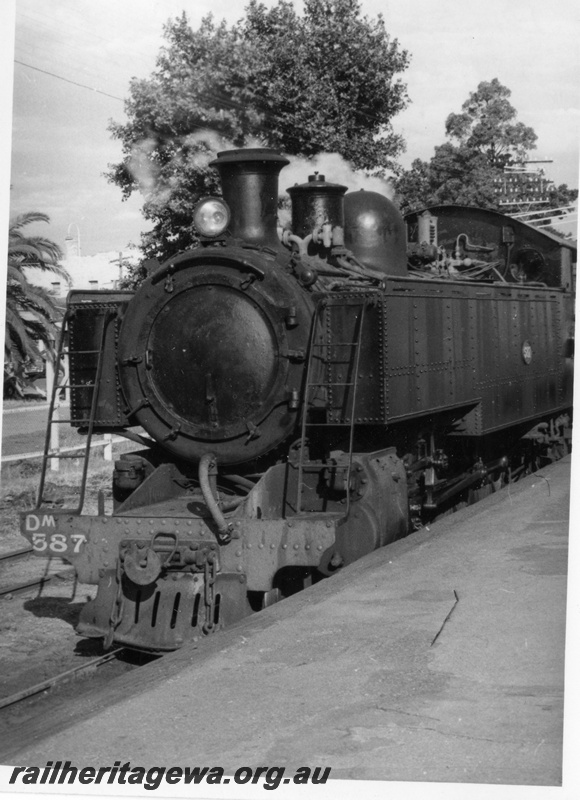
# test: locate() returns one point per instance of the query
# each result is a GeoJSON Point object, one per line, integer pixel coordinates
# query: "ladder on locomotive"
{"type": "Point", "coordinates": [88, 422]}
{"type": "Point", "coordinates": [323, 351]}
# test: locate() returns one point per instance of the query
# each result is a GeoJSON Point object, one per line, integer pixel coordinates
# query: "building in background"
{"type": "Point", "coordinates": [523, 192]}
{"type": "Point", "coordinates": [100, 271]}
{"type": "Point", "coordinates": [523, 187]}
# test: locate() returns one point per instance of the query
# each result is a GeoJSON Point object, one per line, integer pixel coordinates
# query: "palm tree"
{"type": "Point", "coordinates": [31, 311]}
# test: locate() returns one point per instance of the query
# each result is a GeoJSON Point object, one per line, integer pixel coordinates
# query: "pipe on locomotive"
{"type": "Point", "coordinates": [207, 463]}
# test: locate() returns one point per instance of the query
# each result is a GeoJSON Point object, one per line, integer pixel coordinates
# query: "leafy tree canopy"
{"type": "Point", "coordinates": [488, 125]}
{"type": "Point", "coordinates": [455, 174]}
{"type": "Point", "coordinates": [326, 81]}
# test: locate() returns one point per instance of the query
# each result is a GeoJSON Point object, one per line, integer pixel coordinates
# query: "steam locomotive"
{"type": "Point", "coordinates": [298, 398]}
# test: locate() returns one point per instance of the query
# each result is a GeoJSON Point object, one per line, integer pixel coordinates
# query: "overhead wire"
{"type": "Point", "coordinates": [65, 63]}
{"type": "Point", "coordinates": [271, 121]}
{"type": "Point", "coordinates": [68, 80]}
{"type": "Point", "coordinates": [261, 101]}
{"type": "Point", "coordinates": [59, 45]}
{"type": "Point", "coordinates": [232, 104]}
{"type": "Point", "coordinates": [222, 101]}
{"type": "Point", "coordinates": [62, 36]}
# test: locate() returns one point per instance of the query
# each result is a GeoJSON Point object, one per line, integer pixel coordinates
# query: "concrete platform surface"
{"type": "Point", "coordinates": [439, 658]}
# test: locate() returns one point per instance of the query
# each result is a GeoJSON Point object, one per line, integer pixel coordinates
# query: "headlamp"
{"type": "Point", "coordinates": [211, 216]}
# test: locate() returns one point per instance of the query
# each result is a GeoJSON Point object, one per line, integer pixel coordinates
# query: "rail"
{"type": "Point", "coordinates": [49, 683]}
{"type": "Point", "coordinates": [73, 448]}
{"type": "Point", "coordinates": [15, 555]}
{"type": "Point", "coordinates": [35, 583]}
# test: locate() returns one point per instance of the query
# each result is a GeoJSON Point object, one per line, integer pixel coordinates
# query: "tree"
{"type": "Point", "coordinates": [324, 81]}
{"type": "Point", "coordinates": [454, 175]}
{"type": "Point", "coordinates": [485, 138]}
{"type": "Point", "coordinates": [176, 122]}
{"type": "Point", "coordinates": [31, 312]}
{"type": "Point", "coordinates": [488, 126]}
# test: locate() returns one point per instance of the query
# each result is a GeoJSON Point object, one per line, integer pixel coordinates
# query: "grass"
{"type": "Point", "coordinates": [20, 482]}
{"type": "Point", "coordinates": [20, 403]}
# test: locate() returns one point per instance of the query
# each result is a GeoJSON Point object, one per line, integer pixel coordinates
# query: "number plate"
{"type": "Point", "coordinates": [45, 539]}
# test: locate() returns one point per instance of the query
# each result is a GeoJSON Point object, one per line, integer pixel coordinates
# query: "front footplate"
{"type": "Point", "coordinates": [165, 614]}
{"type": "Point", "coordinates": [164, 581]}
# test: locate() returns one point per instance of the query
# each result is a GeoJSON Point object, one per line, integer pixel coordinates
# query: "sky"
{"type": "Point", "coordinates": [61, 146]}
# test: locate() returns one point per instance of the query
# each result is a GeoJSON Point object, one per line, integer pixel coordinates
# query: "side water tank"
{"type": "Point", "coordinates": [375, 232]}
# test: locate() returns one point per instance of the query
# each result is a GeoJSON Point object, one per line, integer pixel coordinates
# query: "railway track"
{"type": "Point", "coordinates": [50, 683]}
{"type": "Point", "coordinates": [15, 555]}
{"type": "Point", "coordinates": [29, 584]}
{"type": "Point", "coordinates": [23, 587]}
{"type": "Point", "coordinates": [22, 574]}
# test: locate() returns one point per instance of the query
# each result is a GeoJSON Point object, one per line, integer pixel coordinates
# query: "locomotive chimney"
{"type": "Point", "coordinates": [249, 180]}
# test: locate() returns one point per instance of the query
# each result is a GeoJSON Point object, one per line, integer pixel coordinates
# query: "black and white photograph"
{"type": "Point", "coordinates": [287, 445]}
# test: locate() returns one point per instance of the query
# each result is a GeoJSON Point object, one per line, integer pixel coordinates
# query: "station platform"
{"type": "Point", "coordinates": [437, 658]}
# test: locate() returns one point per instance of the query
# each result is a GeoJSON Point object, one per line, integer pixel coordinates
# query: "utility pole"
{"type": "Point", "coordinates": [51, 377]}
{"type": "Point", "coordinates": [120, 261]}
{"type": "Point", "coordinates": [72, 249]}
